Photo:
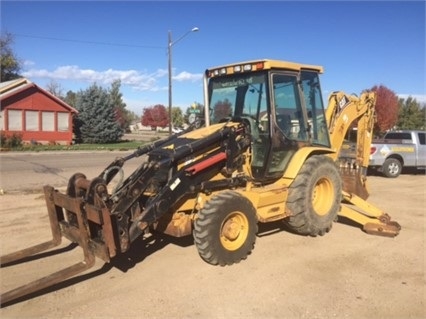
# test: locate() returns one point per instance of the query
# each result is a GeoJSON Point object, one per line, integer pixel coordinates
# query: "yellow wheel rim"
{"type": "Point", "coordinates": [323, 196]}
{"type": "Point", "coordinates": [234, 231]}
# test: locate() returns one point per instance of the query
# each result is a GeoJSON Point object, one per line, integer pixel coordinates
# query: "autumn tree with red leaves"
{"type": "Point", "coordinates": [386, 109]}
{"type": "Point", "coordinates": [222, 109]}
{"type": "Point", "coordinates": [155, 116]}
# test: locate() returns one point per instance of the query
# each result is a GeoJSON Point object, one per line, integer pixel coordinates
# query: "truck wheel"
{"type": "Point", "coordinates": [314, 197]}
{"type": "Point", "coordinates": [225, 229]}
{"type": "Point", "coordinates": [391, 168]}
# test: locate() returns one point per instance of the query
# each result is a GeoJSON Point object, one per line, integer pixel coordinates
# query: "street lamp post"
{"type": "Point", "coordinates": [169, 54]}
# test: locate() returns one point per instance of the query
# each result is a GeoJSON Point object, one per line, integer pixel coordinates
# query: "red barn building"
{"type": "Point", "coordinates": [35, 114]}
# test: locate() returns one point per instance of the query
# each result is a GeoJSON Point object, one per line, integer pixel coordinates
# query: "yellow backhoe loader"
{"type": "Point", "coordinates": [265, 149]}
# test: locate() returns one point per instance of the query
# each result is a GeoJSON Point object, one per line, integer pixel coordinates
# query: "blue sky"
{"type": "Point", "coordinates": [76, 43]}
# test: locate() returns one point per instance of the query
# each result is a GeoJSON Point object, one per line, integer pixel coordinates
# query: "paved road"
{"type": "Point", "coordinates": [30, 171]}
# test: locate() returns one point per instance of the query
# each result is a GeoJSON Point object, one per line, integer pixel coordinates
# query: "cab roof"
{"type": "Point", "coordinates": [274, 64]}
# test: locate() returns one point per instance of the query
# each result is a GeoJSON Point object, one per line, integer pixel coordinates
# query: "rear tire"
{"type": "Point", "coordinates": [225, 229]}
{"type": "Point", "coordinates": [314, 197]}
{"type": "Point", "coordinates": [391, 168]}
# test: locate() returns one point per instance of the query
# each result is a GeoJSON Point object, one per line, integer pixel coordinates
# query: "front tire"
{"type": "Point", "coordinates": [314, 197]}
{"type": "Point", "coordinates": [225, 229]}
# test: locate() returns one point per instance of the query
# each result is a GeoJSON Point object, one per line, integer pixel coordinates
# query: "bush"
{"type": "Point", "coordinates": [13, 140]}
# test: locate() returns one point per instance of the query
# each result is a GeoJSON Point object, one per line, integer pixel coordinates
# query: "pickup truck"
{"type": "Point", "coordinates": [398, 150]}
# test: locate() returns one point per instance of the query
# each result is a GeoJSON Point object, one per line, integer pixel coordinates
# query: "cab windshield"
{"type": "Point", "coordinates": [243, 96]}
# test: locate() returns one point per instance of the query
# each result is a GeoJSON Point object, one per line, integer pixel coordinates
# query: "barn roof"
{"type": "Point", "coordinates": [10, 88]}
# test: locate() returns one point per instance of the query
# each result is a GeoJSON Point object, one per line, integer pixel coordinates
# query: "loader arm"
{"type": "Point", "coordinates": [106, 224]}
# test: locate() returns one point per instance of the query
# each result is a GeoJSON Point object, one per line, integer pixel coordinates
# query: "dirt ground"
{"type": "Point", "coordinates": [345, 274]}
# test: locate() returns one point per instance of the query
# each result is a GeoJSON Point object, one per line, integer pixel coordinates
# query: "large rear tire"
{"type": "Point", "coordinates": [314, 197]}
{"type": "Point", "coordinates": [225, 229]}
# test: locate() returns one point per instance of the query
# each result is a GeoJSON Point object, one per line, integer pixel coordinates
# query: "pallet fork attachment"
{"type": "Point", "coordinates": [78, 233]}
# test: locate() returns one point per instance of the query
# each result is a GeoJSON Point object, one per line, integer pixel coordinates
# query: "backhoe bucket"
{"type": "Point", "coordinates": [77, 232]}
{"type": "Point", "coordinates": [354, 181]}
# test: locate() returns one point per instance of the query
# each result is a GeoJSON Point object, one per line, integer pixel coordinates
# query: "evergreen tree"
{"type": "Point", "coordinates": [122, 115]}
{"type": "Point", "coordinates": [411, 115]}
{"type": "Point", "coordinates": [96, 122]}
{"type": "Point", "coordinates": [177, 117]}
{"type": "Point", "coordinates": [70, 98]}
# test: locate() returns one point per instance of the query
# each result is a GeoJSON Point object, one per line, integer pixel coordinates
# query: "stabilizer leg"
{"type": "Point", "coordinates": [373, 220]}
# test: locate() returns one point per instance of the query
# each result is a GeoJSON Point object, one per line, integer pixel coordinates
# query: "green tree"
{"type": "Point", "coordinates": [10, 65]}
{"type": "Point", "coordinates": [70, 98]}
{"type": "Point", "coordinates": [386, 109]}
{"type": "Point", "coordinates": [411, 115]}
{"type": "Point", "coordinates": [96, 122]}
{"type": "Point", "coordinates": [122, 115]}
{"type": "Point", "coordinates": [177, 117]}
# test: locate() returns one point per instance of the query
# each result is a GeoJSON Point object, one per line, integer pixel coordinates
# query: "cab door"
{"type": "Point", "coordinates": [288, 122]}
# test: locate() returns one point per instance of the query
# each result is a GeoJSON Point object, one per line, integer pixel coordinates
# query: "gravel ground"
{"type": "Point", "coordinates": [345, 274]}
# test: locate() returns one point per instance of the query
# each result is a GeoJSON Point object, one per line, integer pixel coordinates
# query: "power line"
{"type": "Point", "coordinates": [88, 42]}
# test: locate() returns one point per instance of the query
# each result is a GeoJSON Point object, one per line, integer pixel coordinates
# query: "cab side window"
{"type": "Point", "coordinates": [288, 111]}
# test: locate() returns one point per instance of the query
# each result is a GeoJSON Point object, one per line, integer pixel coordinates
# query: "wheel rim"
{"type": "Point", "coordinates": [234, 231]}
{"type": "Point", "coordinates": [393, 169]}
{"type": "Point", "coordinates": [323, 196]}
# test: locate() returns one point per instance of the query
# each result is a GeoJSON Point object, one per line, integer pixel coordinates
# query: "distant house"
{"type": "Point", "coordinates": [35, 114]}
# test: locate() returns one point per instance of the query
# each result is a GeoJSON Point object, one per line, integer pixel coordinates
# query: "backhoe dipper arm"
{"type": "Point", "coordinates": [342, 111]}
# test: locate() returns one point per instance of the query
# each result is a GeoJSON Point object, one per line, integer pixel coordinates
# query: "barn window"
{"type": "Point", "coordinates": [15, 120]}
{"type": "Point", "coordinates": [48, 121]}
{"type": "Point", "coordinates": [63, 123]}
{"type": "Point", "coordinates": [31, 120]}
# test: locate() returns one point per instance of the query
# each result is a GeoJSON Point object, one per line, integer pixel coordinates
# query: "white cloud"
{"type": "Point", "coordinates": [186, 76]}
{"type": "Point", "coordinates": [28, 63]}
{"type": "Point", "coordinates": [135, 79]}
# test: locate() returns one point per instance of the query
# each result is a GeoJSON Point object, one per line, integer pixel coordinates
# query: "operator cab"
{"type": "Point", "coordinates": [282, 103]}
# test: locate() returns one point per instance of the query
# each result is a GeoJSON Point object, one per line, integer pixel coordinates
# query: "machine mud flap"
{"type": "Point", "coordinates": [77, 233]}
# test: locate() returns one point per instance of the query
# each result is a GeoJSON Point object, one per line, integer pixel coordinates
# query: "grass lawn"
{"type": "Point", "coordinates": [124, 145]}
